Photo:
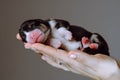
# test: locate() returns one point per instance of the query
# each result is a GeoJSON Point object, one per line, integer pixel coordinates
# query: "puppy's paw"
{"type": "Point", "coordinates": [68, 35]}
{"type": "Point", "coordinates": [85, 40]}
{"type": "Point", "coordinates": [55, 43]}
{"type": "Point", "coordinates": [94, 46]}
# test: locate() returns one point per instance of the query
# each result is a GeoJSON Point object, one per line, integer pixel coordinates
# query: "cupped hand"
{"type": "Point", "coordinates": [99, 66]}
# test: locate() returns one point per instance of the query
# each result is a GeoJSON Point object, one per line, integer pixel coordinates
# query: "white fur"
{"type": "Point", "coordinates": [52, 23]}
{"type": "Point", "coordinates": [63, 35]}
{"type": "Point", "coordinates": [94, 37]}
{"type": "Point", "coordinates": [60, 34]}
{"type": "Point", "coordinates": [56, 43]}
{"type": "Point", "coordinates": [27, 34]}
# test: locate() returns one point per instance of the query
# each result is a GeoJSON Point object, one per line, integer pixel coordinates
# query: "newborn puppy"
{"type": "Point", "coordinates": [60, 34]}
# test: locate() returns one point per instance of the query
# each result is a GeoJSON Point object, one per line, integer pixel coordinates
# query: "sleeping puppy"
{"type": "Point", "coordinates": [60, 34]}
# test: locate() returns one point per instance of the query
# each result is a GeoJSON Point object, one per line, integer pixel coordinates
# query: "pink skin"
{"type": "Point", "coordinates": [35, 36]}
{"type": "Point", "coordinates": [85, 41]}
{"type": "Point", "coordinates": [93, 46]}
{"type": "Point", "coordinates": [18, 37]}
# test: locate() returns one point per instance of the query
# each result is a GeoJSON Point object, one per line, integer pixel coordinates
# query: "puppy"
{"type": "Point", "coordinates": [60, 34]}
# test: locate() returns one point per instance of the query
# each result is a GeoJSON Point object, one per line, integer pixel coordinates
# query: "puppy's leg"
{"type": "Point", "coordinates": [65, 33]}
{"type": "Point", "coordinates": [56, 43]}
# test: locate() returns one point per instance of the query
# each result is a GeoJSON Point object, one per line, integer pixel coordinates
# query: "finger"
{"type": "Point", "coordinates": [97, 64]}
{"type": "Point", "coordinates": [49, 50]}
{"type": "Point", "coordinates": [18, 36]}
{"type": "Point", "coordinates": [55, 53]}
{"type": "Point", "coordinates": [87, 63]}
{"type": "Point", "coordinates": [59, 54]}
{"type": "Point", "coordinates": [64, 66]}
{"type": "Point", "coordinates": [83, 58]}
{"type": "Point", "coordinates": [29, 46]}
{"type": "Point", "coordinates": [54, 62]}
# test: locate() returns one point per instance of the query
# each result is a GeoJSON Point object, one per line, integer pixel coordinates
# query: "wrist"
{"type": "Point", "coordinates": [115, 75]}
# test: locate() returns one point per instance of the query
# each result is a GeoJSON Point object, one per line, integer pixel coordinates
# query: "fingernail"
{"type": "Point", "coordinates": [73, 56]}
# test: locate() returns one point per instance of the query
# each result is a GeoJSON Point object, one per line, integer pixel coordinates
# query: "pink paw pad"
{"type": "Point", "coordinates": [85, 40]}
{"type": "Point", "coordinates": [94, 46]}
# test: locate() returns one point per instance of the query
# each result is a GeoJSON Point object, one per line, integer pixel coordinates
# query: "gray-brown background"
{"type": "Point", "coordinates": [17, 63]}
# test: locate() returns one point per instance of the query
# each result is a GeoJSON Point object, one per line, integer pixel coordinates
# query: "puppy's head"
{"type": "Point", "coordinates": [35, 30]}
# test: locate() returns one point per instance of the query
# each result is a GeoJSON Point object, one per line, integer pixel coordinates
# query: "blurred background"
{"type": "Point", "coordinates": [17, 63]}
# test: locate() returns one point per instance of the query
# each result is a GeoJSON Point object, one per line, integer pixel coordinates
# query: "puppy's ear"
{"type": "Point", "coordinates": [43, 27]}
{"type": "Point", "coordinates": [62, 23]}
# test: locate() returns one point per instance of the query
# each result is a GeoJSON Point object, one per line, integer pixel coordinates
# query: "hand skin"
{"type": "Point", "coordinates": [98, 67]}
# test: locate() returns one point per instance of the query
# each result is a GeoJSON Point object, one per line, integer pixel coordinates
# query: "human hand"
{"type": "Point", "coordinates": [100, 67]}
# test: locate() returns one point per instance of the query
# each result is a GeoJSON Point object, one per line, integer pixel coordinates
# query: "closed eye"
{"type": "Point", "coordinates": [43, 27]}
